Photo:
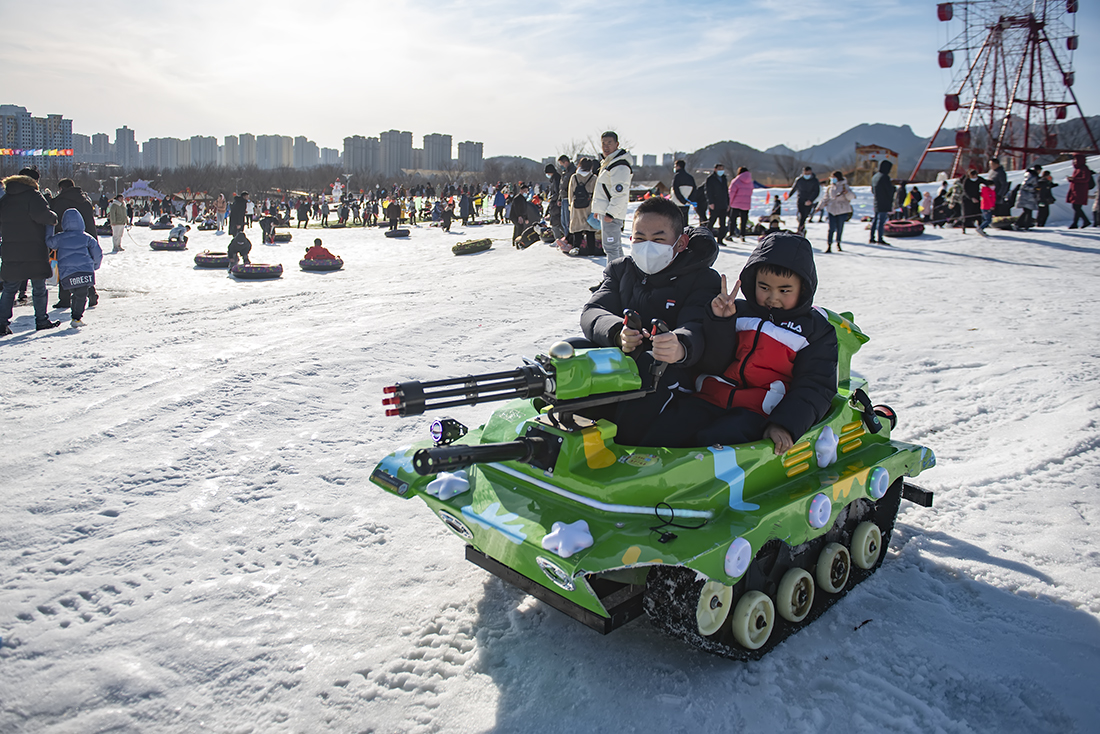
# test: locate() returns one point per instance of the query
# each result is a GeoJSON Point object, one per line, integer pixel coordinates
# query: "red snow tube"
{"type": "Point", "coordinates": [167, 245]}
{"type": "Point", "coordinates": [207, 259]}
{"type": "Point", "coordinates": [321, 265]}
{"type": "Point", "coordinates": [257, 271]}
{"type": "Point", "coordinates": [903, 228]}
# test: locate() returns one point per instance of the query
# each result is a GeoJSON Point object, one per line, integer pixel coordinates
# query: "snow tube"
{"type": "Point", "coordinates": [166, 245]}
{"type": "Point", "coordinates": [397, 233]}
{"type": "Point", "coordinates": [321, 265]}
{"type": "Point", "coordinates": [529, 237]}
{"type": "Point", "coordinates": [161, 226]}
{"type": "Point", "coordinates": [257, 271]}
{"type": "Point", "coordinates": [546, 235]}
{"type": "Point", "coordinates": [208, 259]}
{"type": "Point", "coordinates": [335, 226]}
{"type": "Point", "coordinates": [471, 246]}
{"type": "Point", "coordinates": [283, 236]}
{"type": "Point", "coordinates": [1003, 223]}
{"type": "Point", "coordinates": [104, 230]}
{"type": "Point", "coordinates": [204, 227]}
{"type": "Point", "coordinates": [903, 228]}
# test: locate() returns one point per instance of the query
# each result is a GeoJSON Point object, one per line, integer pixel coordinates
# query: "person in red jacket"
{"type": "Point", "coordinates": [769, 363]}
{"type": "Point", "coordinates": [318, 252]}
{"type": "Point", "coordinates": [1080, 181]}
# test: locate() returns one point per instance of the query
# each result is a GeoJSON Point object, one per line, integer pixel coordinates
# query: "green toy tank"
{"type": "Point", "coordinates": [730, 548]}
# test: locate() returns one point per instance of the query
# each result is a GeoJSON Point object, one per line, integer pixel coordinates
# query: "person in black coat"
{"type": "Point", "coordinates": [677, 292]}
{"type": "Point", "coordinates": [237, 211]}
{"type": "Point", "coordinates": [1045, 191]}
{"type": "Point", "coordinates": [553, 203]}
{"type": "Point", "coordinates": [805, 190]}
{"type": "Point", "coordinates": [24, 216]}
{"type": "Point", "coordinates": [69, 196]}
{"type": "Point", "coordinates": [972, 199]}
{"type": "Point", "coordinates": [718, 201]}
{"type": "Point", "coordinates": [683, 189]}
{"type": "Point", "coordinates": [520, 214]}
{"type": "Point", "coordinates": [882, 188]}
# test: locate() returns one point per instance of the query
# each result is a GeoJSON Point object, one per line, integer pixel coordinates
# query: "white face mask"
{"type": "Point", "coordinates": [651, 257]}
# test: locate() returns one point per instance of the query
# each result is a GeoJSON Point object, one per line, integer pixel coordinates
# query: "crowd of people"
{"type": "Point", "coordinates": [582, 205]}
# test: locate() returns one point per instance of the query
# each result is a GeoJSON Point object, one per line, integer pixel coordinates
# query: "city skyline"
{"type": "Point", "coordinates": [665, 76]}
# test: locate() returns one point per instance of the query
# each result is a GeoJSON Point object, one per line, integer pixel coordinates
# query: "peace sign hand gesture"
{"type": "Point", "coordinates": [723, 304]}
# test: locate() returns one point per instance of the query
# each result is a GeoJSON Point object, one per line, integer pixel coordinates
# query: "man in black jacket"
{"type": "Point", "coordinates": [667, 276]}
{"type": "Point", "coordinates": [882, 189]}
{"type": "Point", "coordinates": [553, 203]}
{"type": "Point", "coordinates": [70, 196]}
{"type": "Point", "coordinates": [24, 216]}
{"type": "Point", "coordinates": [237, 211]}
{"type": "Point", "coordinates": [806, 189]}
{"type": "Point", "coordinates": [683, 188]}
{"type": "Point", "coordinates": [718, 201]}
{"type": "Point", "coordinates": [567, 170]}
{"type": "Point", "coordinates": [998, 179]}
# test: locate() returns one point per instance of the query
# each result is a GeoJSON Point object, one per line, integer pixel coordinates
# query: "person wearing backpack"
{"type": "Point", "coordinates": [1080, 181]}
{"type": "Point", "coordinates": [612, 194]}
{"type": "Point", "coordinates": [582, 236]}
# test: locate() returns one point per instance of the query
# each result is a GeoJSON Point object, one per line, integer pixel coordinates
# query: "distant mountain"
{"type": "Point", "coordinates": [779, 150]}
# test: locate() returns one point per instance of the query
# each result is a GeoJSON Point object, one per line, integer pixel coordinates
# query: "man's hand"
{"type": "Point", "coordinates": [608, 218]}
{"type": "Point", "coordinates": [782, 439]}
{"type": "Point", "coordinates": [723, 305]}
{"type": "Point", "coordinates": [629, 339]}
{"type": "Point", "coordinates": [667, 348]}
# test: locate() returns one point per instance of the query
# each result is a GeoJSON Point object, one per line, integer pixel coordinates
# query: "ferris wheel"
{"type": "Point", "coordinates": [1013, 82]}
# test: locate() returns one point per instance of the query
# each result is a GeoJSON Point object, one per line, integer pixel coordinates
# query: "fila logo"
{"type": "Point", "coordinates": [670, 304]}
{"type": "Point", "coordinates": [792, 326]}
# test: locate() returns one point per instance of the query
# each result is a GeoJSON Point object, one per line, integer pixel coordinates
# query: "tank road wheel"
{"type": "Point", "coordinates": [866, 545]}
{"type": "Point", "coordinates": [753, 619]}
{"type": "Point", "coordinates": [715, 602]}
{"type": "Point", "coordinates": [832, 568]}
{"type": "Point", "coordinates": [795, 596]}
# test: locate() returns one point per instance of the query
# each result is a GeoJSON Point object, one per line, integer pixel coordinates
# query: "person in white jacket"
{"type": "Point", "coordinates": [837, 203]}
{"type": "Point", "coordinates": [612, 194]}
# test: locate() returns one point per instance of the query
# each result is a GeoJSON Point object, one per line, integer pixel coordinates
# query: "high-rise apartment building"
{"type": "Point", "coordinates": [126, 148]}
{"type": "Point", "coordinates": [331, 156]}
{"type": "Point", "coordinates": [248, 149]}
{"type": "Point", "coordinates": [470, 156]}
{"type": "Point", "coordinates": [46, 142]}
{"type": "Point", "coordinates": [306, 153]}
{"type": "Point", "coordinates": [396, 152]}
{"type": "Point", "coordinates": [231, 152]}
{"type": "Point", "coordinates": [362, 155]}
{"type": "Point", "coordinates": [204, 151]}
{"type": "Point", "coordinates": [437, 152]}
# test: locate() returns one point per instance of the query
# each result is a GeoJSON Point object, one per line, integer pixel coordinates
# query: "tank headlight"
{"type": "Point", "coordinates": [556, 573]}
{"type": "Point", "coordinates": [738, 558]}
{"type": "Point", "coordinates": [879, 483]}
{"type": "Point", "coordinates": [821, 508]}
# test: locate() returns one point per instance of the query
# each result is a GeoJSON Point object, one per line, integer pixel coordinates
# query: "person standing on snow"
{"type": "Point", "coordinates": [238, 212]}
{"type": "Point", "coordinates": [612, 194]}
{"type": "Point", "coordinates": [882, 190]}
{"type": "Point", "coordinates": [78, 257]}
{"type": "Point", "coordinates": [118, 217]}
{"type": "Point", "coordinates": [805, 190]}
{"type": "Point", "coordinates": [1080, 181]}
{"type": "Point", "coordinates": [837, 202]}
{"type": "Point", "coordinates": [998, 179]}
{"type": "Point", "coordinates": [740, 198]}
{"type": "Point", "coordinates": [683, 188]}
{"type": "Point", "coordinates": [24, 216]}
{"type": "Point", "coordinates": [717, 191]}
{"type": "Point", "coordinates": [69, 196]}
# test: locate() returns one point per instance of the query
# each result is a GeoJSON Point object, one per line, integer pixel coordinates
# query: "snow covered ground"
{"type": "Point", "coordinates": [190, 540]}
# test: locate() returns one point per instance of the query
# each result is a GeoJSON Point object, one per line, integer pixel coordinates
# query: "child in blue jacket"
{"type": "Point", "coordinates": [78, 257]}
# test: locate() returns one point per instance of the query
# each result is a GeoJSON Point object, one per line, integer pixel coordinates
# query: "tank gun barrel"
{"type": "Point", "coordinates": [460, 456]}
{"type": "Point", "coordinates": [413, 398]}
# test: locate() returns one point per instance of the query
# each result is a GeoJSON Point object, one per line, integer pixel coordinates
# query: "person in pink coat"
{"type": "Point", "coordinates": [741, 200]}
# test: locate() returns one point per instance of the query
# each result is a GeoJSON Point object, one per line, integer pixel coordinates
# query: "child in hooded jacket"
{"type": "Point", "coordinates": [769, 362]}
{"type": "Point", "coordinates": [78, 257]}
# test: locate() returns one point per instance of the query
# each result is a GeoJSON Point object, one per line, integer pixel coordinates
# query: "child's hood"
{"type": "Point", "coordinates": [784, 250]}
{"type": "Point", "coordinates": [72, 221]}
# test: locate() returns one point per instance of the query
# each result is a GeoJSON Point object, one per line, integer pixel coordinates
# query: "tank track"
{"type": "Point", "coordinates": [672, 593]}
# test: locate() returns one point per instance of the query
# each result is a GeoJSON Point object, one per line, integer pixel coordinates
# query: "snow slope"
{"type": "Point", "coordinates": [191, 541]}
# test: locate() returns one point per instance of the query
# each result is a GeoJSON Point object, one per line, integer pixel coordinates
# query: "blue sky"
{"type": "Point", "coordinates": [526, 79]}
